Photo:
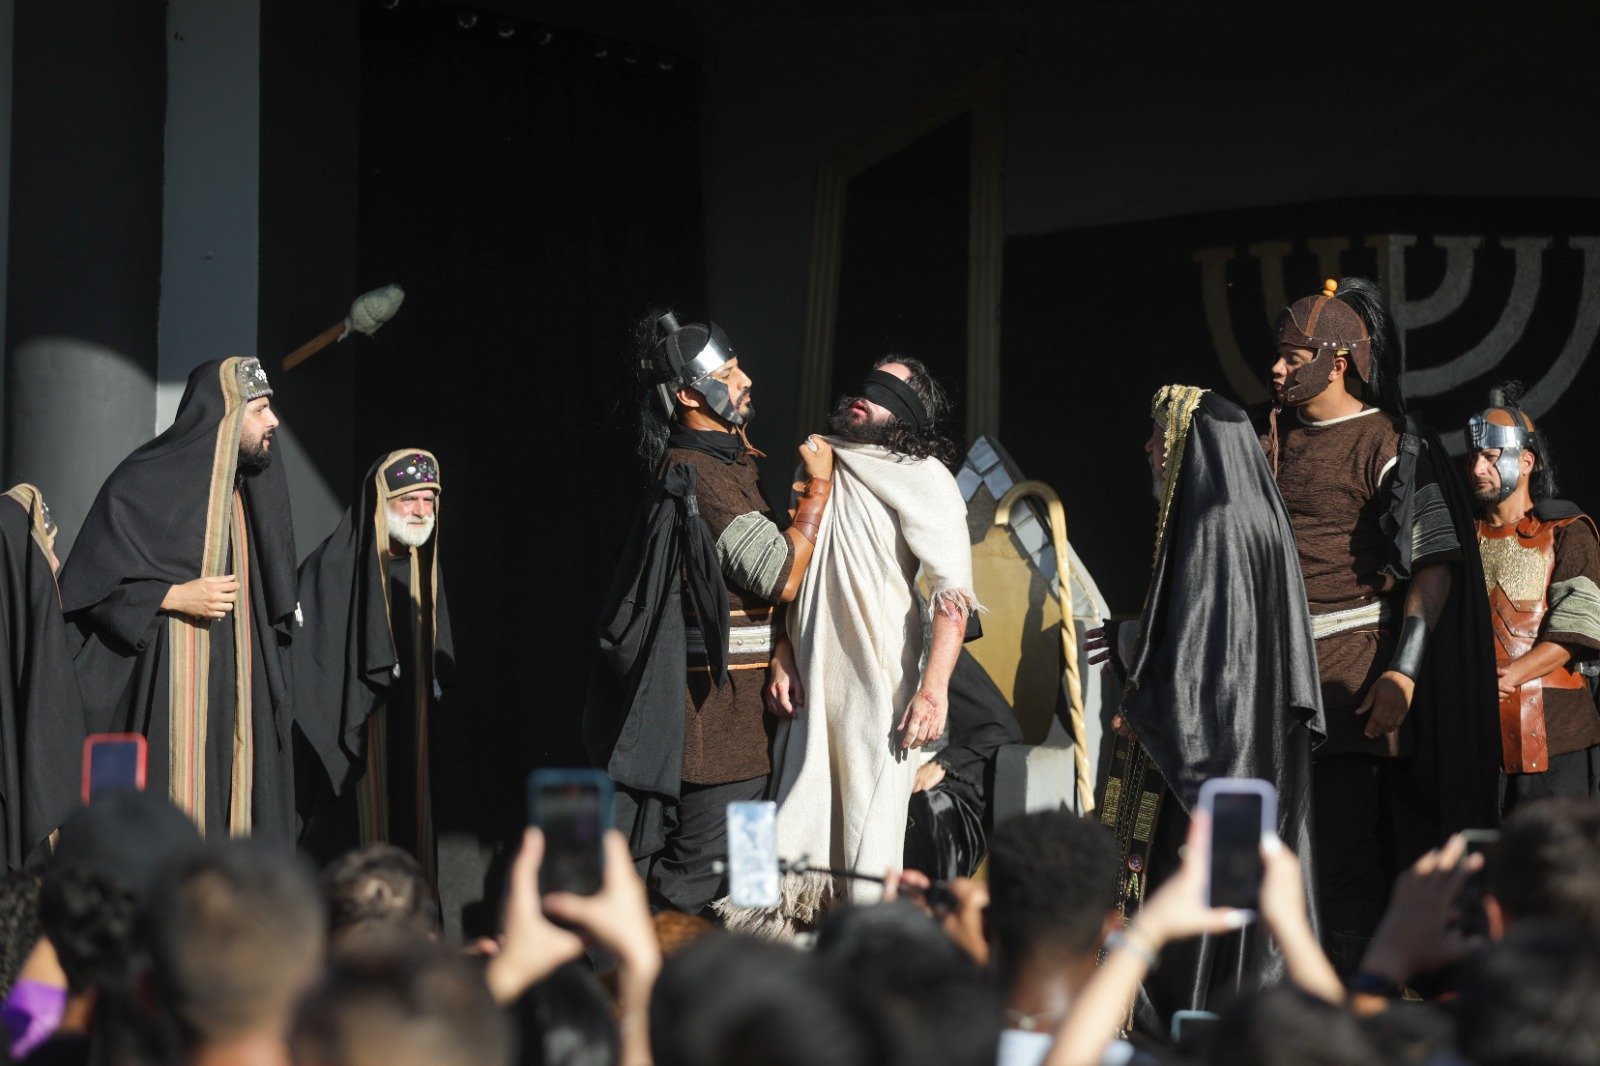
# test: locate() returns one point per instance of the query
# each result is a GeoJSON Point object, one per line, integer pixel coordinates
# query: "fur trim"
{"type": "Point", "coordinates": [805, 897]}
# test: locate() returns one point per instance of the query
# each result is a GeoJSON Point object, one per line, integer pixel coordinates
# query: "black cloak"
{"type": "Point", "coordinates": [633, 718]}
{"type": "Point", "coordinates": [345, 655]}
{"type": "Point", "coordinates": [41, 714]}
{"type": "Point", "coordinates": [1223, 679]}
{"type": "Point", "coordinates": [162, 518]}
{"type": "Point", "coordinates": [1454, 778]}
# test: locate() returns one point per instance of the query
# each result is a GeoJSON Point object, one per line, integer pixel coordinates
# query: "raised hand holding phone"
{"type": "Point", "coordinates": [573, 809]}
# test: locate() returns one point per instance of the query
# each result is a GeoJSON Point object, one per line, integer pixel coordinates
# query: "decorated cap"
{"type": "Point", "coordinates": [252, 379]}
{"type": "Point", "coordinates": [414, 469]}
{"type": "Point", "coordinates": [1327, 322]}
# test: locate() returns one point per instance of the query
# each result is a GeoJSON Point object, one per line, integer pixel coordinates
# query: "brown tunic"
{"type": "Point", "coordinates": [726, 731]}
{"type": "Point", "coordinates": [1570, 717]}
{"type": "Point", "coordinates": [1333, 477]}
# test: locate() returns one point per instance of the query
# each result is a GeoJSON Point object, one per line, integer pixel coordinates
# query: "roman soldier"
{"type": "Point", "coordinates": [1392, 578]}
{"type": "Point", "coordinates": [677, 709]}
{"type": "Point", "coordinates": [1541, 566]}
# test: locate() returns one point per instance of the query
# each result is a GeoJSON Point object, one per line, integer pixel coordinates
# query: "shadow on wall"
{"type": "Point", "coordinates": [74, 410]}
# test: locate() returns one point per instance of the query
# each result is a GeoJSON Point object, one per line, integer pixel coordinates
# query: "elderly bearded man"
{"type": "Point", "coordinates": [847, 761]}
{"type": "Point", "coordinates": [181, 584]}
{"type": "Point", "coordinates": [371, 658]}
{"type": "Point", "coordinates": [1541, 566]}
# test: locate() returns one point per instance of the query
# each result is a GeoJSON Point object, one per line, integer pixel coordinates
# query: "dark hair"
{"type": "Point", "coordinates": [567, 1020]}
{"type": "Point", "coordinates": [88, 917]}
{"type": "Point", "coordinates": [897, 436]}
{"type": "Point", "coordinates": [402, 1003]}
{"type": "Point", "coordinates": [19, 924]}
{"type": "Point", "coordinates": [378, 889]}
{"type": "Point", "coordinates": [1382, 388]}
{"type": "Point", "coordinates": [1531, 998]}
{"type": "Point", "coordinates": [235, 934]}
{"type": "Point", "coordinates": [1547, 864]}
{"type": "Point", "coordinates": [654, 426]}
{"type": "Point", "coordinates": [1542, 482]}
{"type": "Point", "coordinates": [727, 1000]}
{"type": "Point", "coordinates": [932, 991]}
{"type": "Point", "coordinates": [1290, 1026]}
{"type": "Point", "coordinates": [1052, 880]}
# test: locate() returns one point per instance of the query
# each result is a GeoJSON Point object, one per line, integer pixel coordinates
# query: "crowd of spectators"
{"type": "Point", "coordinates": [140, 944]}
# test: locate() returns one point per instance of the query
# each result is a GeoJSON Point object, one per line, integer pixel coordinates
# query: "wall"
{"type": "Point", "coordinates": [1137, 111]}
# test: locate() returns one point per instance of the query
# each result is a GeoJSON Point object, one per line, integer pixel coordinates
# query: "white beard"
{"type": "Point", "coordinates": [411, 534]}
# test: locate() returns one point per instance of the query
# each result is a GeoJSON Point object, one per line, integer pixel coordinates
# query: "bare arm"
{"type": "Point", "coordinates": [1389, 699]}
{"type": "Point", "coordinates": [924, 720]}
{"type": "Point", "coordinates": [1539, 660]}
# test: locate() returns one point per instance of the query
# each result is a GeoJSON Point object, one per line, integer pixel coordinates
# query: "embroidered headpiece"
{"type": "Point", "coordinates": [413, 470]}
{"type": "Point", "coordinates": [252, 379]}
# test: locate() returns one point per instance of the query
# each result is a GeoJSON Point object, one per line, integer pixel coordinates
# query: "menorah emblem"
{"type": "Point", "coordinates": [1247, 375]}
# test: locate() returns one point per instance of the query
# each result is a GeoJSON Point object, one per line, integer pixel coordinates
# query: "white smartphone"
{"type": "Point", "coordinates": [753, 854]}
{"type": "Point", "coordinates": [1243, 811]}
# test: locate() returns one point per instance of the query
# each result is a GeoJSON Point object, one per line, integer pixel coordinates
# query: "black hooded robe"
{"type": "Point", "coordinates": [174, 510]}
{"type": "Point", "coordinates": [367, 660]}
{"type": "Point", "coordinates": [1223, 683]}
{"type": "Point", "coordinates": [41, 714]}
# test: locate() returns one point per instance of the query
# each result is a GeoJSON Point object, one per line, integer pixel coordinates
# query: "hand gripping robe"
{"type": "Point", "coordinates": [859, 633]}
{"type": "Point", "coordinates": [371, 662]}
{"type": "Point", "coordinates": [1222, 682]}
{"type": "Point", "coordinates": [215, 700]}
{"type": "Point", "coordinates": [41, 715]}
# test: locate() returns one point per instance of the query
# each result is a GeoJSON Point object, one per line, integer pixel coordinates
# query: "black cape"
{"type": "Point", "coordinates": [344, 653]}
{"type": "Point", "coordinates": [146, 532]}
{"type": "Point", "coordinates": [1453, 780]}
{"type": "Point", "coordinates": [41, 715]}
{"type": "Point", "coordinates": [633, 718]}
{"type": "Point", "coordinates": [1223, 678]}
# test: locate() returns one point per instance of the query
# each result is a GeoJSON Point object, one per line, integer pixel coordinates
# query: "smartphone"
{"type": "Point", "coordinates": [1474, 920]}
{"type": "Point", "coordinates": [113, 762]}
{"type": "Point", "coordinates": [1193, 1032]}
{"type": "Point", "coordinates": [573, 807]}
{"type": "Point", "coordinates": [753, 854]}
{"type": "Point", "coordinates": [1243, 810]}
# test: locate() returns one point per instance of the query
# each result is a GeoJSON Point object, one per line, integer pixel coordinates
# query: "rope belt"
{"type": "Point", "coordinates": [1376, 613]}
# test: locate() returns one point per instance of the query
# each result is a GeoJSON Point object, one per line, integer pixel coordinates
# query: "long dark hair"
{"type": "Point", "coordinates": [1542, 482]}
{"type": "Point", "coordinates": [904, 439]}
{"type": "Point", "coordinates": [1382, 388]}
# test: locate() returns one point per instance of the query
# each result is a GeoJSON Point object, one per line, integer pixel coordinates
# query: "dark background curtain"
{"type": "Point", "coordinates": [534, 201]}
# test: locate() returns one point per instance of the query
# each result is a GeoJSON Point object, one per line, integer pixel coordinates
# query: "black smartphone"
{"type": "Point", "coordinates": [1242, 810]}
{"type": "Point", "coordinates": [113, 762]}
{"type": "Point", "coordinates": [1194, 1032]}
{"type": "Point", "coordinates": [573, 807]}
{"type": "Point", "coordinates": [1474, 920]}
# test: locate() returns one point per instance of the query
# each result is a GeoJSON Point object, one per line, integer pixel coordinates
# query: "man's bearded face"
{"type": "Point", "coordinates": [860, 421]}
{"type": "Point", "coordinates": [256, 435]}
{"type": "Point", "coordinates": [410, 518]}
{"type": "Point", "coordinates": [1155, 449]}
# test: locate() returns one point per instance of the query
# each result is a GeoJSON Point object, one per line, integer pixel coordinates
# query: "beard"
{"type": "Point", "coordinates": [413, 533]}
{"type": "Point", "coordinates": [865, 431]}
{"type": "Point", "coordinates": [1488, 497]}
{"type": "Point", "coordinates": [254, 458]}
{"type": "Point", "coordinates": [1157, 483]}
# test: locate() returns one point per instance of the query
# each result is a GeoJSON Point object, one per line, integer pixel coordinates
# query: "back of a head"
{"type": "Point", "coordinates": [235, 934]}
{"type": "Point", "coordinates": [567, 1020]}
{"type": "Point", "coordinates": [1286, 1026]}
{"type": "Point", "coordinates": [727, 1000]}
{"type": "Point", "coordinates": [1383, 388]}
{"type": "Point", "coordinates": [1052, 880]}
{"type": "Point", "coordinates": [402, 1003]}
{"type": "Point", "coordinates": [1531, 998]}
{"type": "Point", "coordinates": [19, 923]}
{"type": "Point", "coordinates": [1547, 863]}
{"type": "Point", "coordinates": [378, 890]}
{"type": "Point", "coordinates": [945, 1011]}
